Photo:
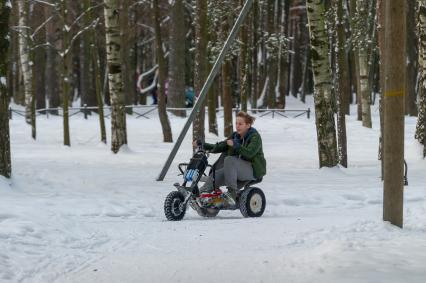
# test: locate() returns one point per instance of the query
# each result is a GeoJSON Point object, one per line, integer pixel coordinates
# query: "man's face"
{"type": "Point", "coordinates": [241, 126]}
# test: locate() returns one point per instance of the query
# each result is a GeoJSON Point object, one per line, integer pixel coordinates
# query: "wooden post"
{"type": "Point", "coordinates": [394, 53]}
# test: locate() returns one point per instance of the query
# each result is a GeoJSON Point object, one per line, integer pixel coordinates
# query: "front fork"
{"type": "Point", "coordinates": [187, 194]}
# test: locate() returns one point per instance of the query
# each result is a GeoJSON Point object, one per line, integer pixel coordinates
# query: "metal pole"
{"type": "Point", "coordinates": [206, 87]}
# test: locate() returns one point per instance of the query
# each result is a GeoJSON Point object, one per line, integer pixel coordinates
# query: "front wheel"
{"type": "Point", "coordinates": [252, 202]}
{"type": "Point", "coordinates": [173, 206]}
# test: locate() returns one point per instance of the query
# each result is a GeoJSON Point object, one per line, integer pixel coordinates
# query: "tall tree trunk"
{"type": "Point", "coordinates": [38, 17]}
{"type": "Point", "coordinates": [243, 61]}
{"type": "Point", "coordinates": [88, 89]}
{"type": "Point", "coordinates": [26, 57]}
{"type": "Point", "coordinates": [5, 160]}
{"type": "Point", "coordinates": [305, 52]}
{"type": "Point", "coordinates": [272, 55]}
{"type": "Point", "coordinates": [127, 54]}
{"type": "Point", "coordinates": [201, 64]}
{"type": "Point", "coordinates": [53, 63]}
{"type": "Point", "coordinates": [96, 74]}
{"type": "Point", "coordinates": [255, 54]}
{"type": "Point", "coordinates": [115, 75]}
{"type": "Point", "coordinates": [66, 71]}
{"type": "Point", "coordinates": [395, 57]}
{"type": "Point", "coordinates": [421, 120]}
{"type": "Point", "coordinates": [295, 33]}
{"type": "Point", "coordinates": [365, 90]}
{"type": "Point", "coordinates": [98, 90]}
{"type": "Point", "coordinates": [355, 59]}
{"type": "Point", "coordinates": [162, 73]}
{"type": "Point", "coordinates": [176, 89]}
{"type": "Point", "coordinates": [213, 127]}
{"type": "Point", "coordinates": [283, 61]}
{"type": "Point", "coordinates": [381, 8]}
{"type": "Point", "coordinates": [343, 87]}
{"type": "Point", "coordinates": [15, 79]}
{"type": "Point", "coordinates": [227, 99]}
{"type": "Point", "coordinates": [226, 73]}
{"type": "Point", "coordinates": [326, 131]}
{"type": "Point", "coordinates": [412, 56]}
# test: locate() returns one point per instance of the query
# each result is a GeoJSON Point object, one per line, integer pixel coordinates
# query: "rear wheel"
{"type": "Point", "coordinates": [252, 202]}
{"type": "Point", "coordinates": [173, 206]}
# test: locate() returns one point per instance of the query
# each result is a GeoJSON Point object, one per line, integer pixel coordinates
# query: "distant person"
{"type": "Point", "coordinates": [153, 82]}
{"type": "Point", "coordinates": [189, 96]}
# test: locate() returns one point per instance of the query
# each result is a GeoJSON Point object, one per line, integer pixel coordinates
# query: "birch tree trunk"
{"type": "Point", "coordinates": [5, 160]}
{"type": "Point", "coordinates": [201, 64]}
{"type": "Point", "coordinates": [26, 64]}
{"type": "Point", "coordinates": [421, 120]}
{"type": "Point", "coordinates": [115, 78]}
{"type": "Point", "coordinates": [362, 10]}
{"type": "Point", "coordinates": [162, 72]}
{"type": "Point", "coordinates": [381, 7]}
{"type": "Point", "coordinates": [325, 124]}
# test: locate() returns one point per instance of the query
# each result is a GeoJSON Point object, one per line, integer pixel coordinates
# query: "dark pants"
{"type": "Point", "coordinates": [234, 169]}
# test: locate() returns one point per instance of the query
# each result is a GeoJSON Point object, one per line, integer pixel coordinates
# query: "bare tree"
{"type": "Point", "coordinates": [5, 161]}
{"type": "Point", "coordinates": [176, 89]}
{"type": "Point", "coordinates": [162, 72]}
{"type": "Point", "coordinates": [363, 51]}
{"type": "Point", "coordinates": [26, 58]}
{"type": "Point", "coordinates": [115, 76]}
{"type": "Point", "coordinates": [201, 63]}
{"type": "Point", "coordinates": [342, 84]}
{"type": "Point", "coordinates": [243, 62]}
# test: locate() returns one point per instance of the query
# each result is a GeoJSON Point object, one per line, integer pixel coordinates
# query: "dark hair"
{"type": "Point", "coordinates": [247, 118]}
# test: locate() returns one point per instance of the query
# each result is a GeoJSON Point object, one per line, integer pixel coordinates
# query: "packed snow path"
{"type": "Point", "coordinates": [83, 214]}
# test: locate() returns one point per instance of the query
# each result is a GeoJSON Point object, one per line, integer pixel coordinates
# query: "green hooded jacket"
{"type": "Point", "coordinates": [248, 148]}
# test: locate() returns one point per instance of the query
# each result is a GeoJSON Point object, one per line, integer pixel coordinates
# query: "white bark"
{"type": "Point", "coordinates": [324, 115]}
{"type": "Point", "coordinates": [115, 77]}
{"type": "Point", "coordinates": [24, 53]}
{"type": "Point", "coordinates": [421, 121]}
{"type": "Point", "coordinates": [363, 68]}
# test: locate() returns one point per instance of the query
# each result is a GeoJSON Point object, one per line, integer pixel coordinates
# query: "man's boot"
{"type": "Point", "coordinates": [231, 197]}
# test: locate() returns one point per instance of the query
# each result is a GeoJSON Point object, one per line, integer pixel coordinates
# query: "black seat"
{"type": "Point", "coordinates": [243, 184]}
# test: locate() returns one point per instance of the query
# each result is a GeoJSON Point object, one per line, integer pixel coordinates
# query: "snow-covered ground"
{"type": "Point", "coordinates": [83, 214]}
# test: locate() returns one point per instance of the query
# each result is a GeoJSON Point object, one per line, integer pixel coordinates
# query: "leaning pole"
{"type": "Point", "coordinates": [215, 69]}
